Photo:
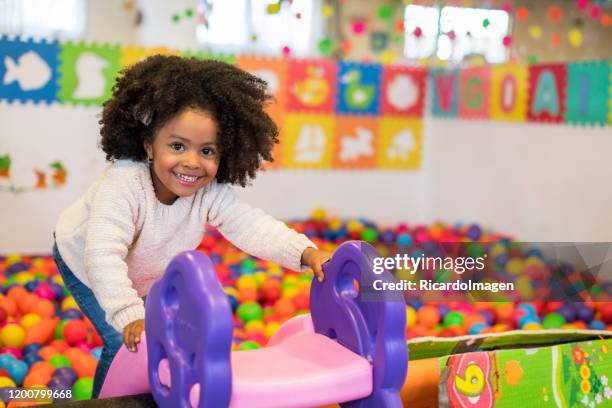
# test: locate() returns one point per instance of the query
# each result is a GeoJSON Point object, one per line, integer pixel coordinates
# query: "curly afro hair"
{"type": "Point", "coordinates": [151, 92]}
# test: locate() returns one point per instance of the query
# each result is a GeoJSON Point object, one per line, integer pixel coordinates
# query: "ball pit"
{"type": "Point", "coordinates": [46, 340]}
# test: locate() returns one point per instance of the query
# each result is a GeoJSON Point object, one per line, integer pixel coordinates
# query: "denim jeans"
{"type": "Point", "coordinates": [86, 300]}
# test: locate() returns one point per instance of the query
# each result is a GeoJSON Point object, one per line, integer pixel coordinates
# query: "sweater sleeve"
{"type": "Point", "coordinates": [110, 232]}
{"type": "Point", "coordinates": [255, 232]}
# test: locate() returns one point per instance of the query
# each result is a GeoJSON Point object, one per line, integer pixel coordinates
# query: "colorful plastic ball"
{"type": "Point", "coordinates": [97, 352]}
{"type": "Point", "coordinates": [249, 345]}
{"type": "Point", "coordinates": [233, 302]}
{"type": "Point", "coordinates": [44, 291]}
{"type": "Point", "coordinates": [284, 308]}
{"type": "Point", "coordinates": [477, 328]}
{"type": "Point", "coordinates": [6, 382]}
{"type": "Point", "coordinates": [597, 325]}
{"type": "Point", "coordinates": [74, 331]}
{"type": "Point", "coordinates": [12, 335]}
{"type": "Point", "coordinates": [404, 239]}
{"type": "Point", "coordinates": [47, 352]}
{"type": "Point", "coordinates": [59, 329]}
{"type": "Point", "coordinates": [453, 319]}
{"type": "Point", "coordinates": [428, 316]}
{"type": "Point", "coordinates": [32, 358]}
{"type": "Point", "coordinates": [568, 312]}
{"type": "Point", "coordinates": [59, 383]}
{"type": "Point", "coordinates": [584, 313]}
{"type": "Point", "coordinates": [36, 378]}
{"type": "Point", "coordinates": [29, 320]}
{"type": "Point", "coordinates": [82, 388]}
{"type": "Point", "coordinates": [553, 321]}
{"type": "Point", "coordinates": [66, 372]}
{"type": "Point", "coordinates": [17, 353]}
{"type": "Point", "coordinates": [31, 348]}
{"type": "Point", "coordinates": [249, 311]}
{"type": "Point", "coordinates": [71, 314]}
{"type": "Point", "coordinates": [69, 303]}
{"type": "Point", "coordinates": [411, 316]}
{"type": "Point", "coordinates": [17, 370]}
{"type": "Point", "coordinates": [369, 235]}
{"type": "Point", "coordinates": [85, 365]}
{"type": "Point", "coordinates": [59, 360]}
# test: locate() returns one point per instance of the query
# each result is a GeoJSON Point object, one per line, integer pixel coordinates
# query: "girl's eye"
{"type": "Point", "coordinates": [207, 151]}
{"type": "Point", "coordinates": [177, 146]}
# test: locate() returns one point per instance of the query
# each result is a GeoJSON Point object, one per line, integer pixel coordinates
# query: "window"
{"type": "Point", "coordinates": [43, 18]}
{"type": "Point", "coordinates": [454, 33]}
{"type": "Point", "coordinates": [240, 26]}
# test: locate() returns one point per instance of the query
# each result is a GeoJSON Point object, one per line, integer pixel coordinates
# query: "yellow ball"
{"type": "Point", "coordinates": [260, 277]}
{"type": "Point", "coordinates": [246, 282]}
{"type": "Point", "coordinates": [254, 326]}
{"type": "Point", "coordinates": [354, 226]}
{"type": "Point", "coordinates": [69, 303]}
{"type": "Point", "coordinates": [230, 291]}
{"type": "Point", "coordinates": [515, 266]}
{"type": "Point", "coordinates": [535, 32]}
{"type": "Point", "coordinates": [335, 224]}
{"type": "Point", "coordinates": [411, 316]}
{"type": "Point", "coordinates": [532, 326]}
{"type": "Point", "coordinates": [12, 335]}
{"type": "Point", "coordinates": [271, 329]}
{"type": "Point", "coordinates": [319, 214]}
{"type": "Point", "coordinates": [58, 279]}
{"type": "Point", "coordinates": [290, 280]}
{"type": "Point", "coordinates": [12, 259]}
{"type": "Point", "coordinates": [575, 37]}
{"type": "Point", "coordinates": [24, 277]}
{"type": "Point", "coordinates": [289, 292]}
{"type": "Point", "coordinates": [6, 382]}
{"type": "Point", "coordinates": [29, 320]}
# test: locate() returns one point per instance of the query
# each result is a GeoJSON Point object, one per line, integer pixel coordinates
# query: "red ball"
{"type": "Point", "coordinates": [74, 331]}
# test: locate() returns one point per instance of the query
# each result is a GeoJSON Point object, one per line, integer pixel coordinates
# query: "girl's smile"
{"type": "Point", "coordinates": [184, 155]}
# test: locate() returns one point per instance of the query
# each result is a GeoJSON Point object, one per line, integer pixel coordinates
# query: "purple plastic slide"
{"type": "Point", "coordinates": [349, 350]}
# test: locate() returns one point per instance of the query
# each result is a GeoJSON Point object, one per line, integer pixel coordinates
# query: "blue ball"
{"type": "Point", "coordinates": [31, 348]}
{"type": "Point", "coordinates": [404, 239]}
{"type": "Point", "coordinates": [32, 358]}
{"type": "Point", "coordinates": [30, 286]}
{"type": "Point", "coordinates": [18, 370]}
{"type": "Point", "coordinates": [97, 352]}
{"type": "Point", "coordinates": [6, 359]}
{"type": "Point", "coordinates": [527, 319]}
{"type": "Point", "coordinates": [597, 325]}
{"type": "Point", "coordinates": [233, 302]}
{"type": "Point", "coordinates": [58, 290]}
{"type": "Point", "coordinates": [477, 328]}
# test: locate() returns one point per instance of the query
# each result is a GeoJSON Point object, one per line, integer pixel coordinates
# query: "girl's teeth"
{"type": "Point", "coordinates": [188, 179]}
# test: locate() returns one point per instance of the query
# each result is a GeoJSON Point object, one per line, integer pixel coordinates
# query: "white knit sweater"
{"type": "Point", "coordinates": [118, 238]}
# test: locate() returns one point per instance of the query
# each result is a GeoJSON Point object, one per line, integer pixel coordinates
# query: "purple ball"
{"type": "Point", "coordinates": [474, 232]}
{"type": "Point", "coordinates": [443, 309]}
{"type": "Point", "coordinates": [488, 316]}
{"type": "Point", "coordinates": [568, 312]}
{"type": "Point", "coordinates": [72, 314]}
{"type": "Point", "coordinates": [584, 313]}
{"type": "Point", "coordinates": [67, 374]}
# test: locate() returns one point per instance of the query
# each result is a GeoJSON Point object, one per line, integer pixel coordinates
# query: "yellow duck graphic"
{"type": "Point", "coordinates": [313, 90]}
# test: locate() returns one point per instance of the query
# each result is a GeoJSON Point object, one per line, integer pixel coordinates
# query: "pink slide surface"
{"type": "Point", "coordinates": [301, 364]}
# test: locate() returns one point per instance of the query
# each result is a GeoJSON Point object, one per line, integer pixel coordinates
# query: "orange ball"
{"type": "Point", "coordinates": [504, 313]}
{"type": "Point", "coordinates": [43, 308]}
{"type": "Point", "coordinates": [9, 305]}
{"type": "Point", "coordinates": [59, 345]}
{"type": "Point", "coordinates": [17, 292]}
{"type": "Point", "coordinates": [284, 308]}
{"type": "Point", "coordinates": [85, 366]}
{"type": "Point", "coordinates": [73, 354]}
{"type": "Point", "coordinates": [27, 302]}
{"type": "Point", "coordinates": [428, 316]}
{"type": "Point", "coordinates": [47, 352]}
{"type": "Point", "coordinates": [42, 367]}
{"type": "Point", "coordinates": [36, 378]}
{"type": "Point", "coordinates": [247, 295]}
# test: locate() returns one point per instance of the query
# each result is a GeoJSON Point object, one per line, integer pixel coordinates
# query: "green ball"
{"type": "Point", "coordinates": [453, 319]}
{"type": "Point", "coordinates": [369, 235]}
{"type": "Point", "coordinates": [59, 329]}
{"type": "Point", "coordinates": [60, 360]}
{"type": "Point", "coordinates": [475, 250]}
{"type": "Point", "coordinates": [553, 321]}
{"type": "Point", "coordinates": [81, 390]}
{"type": "Point", "coordinates": [385, 11]}
{"type": "Point", "coordinates": [442, 275]}
{"type": "Point", "coordinates": [248, 345]}
{"type": "Point", "coordinates": [249, 311]}
{"type": "Point", "coordinates": [326, 46]}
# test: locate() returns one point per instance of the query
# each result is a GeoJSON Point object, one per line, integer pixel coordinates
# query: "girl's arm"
{"type": "Point", "coordinates": [111, 229]}
{"type": "Point", "coordinates": [255, 232]}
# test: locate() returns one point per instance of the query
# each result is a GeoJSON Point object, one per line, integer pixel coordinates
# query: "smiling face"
{"type": "Point", "coordinates": [185, 155]}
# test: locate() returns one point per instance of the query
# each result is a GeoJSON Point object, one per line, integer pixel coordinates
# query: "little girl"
{"type": "Point", "coordinates": [178, 132]}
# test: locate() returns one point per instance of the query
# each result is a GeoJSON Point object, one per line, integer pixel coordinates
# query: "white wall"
{"type": "Point", "coordinates": [536, 182]}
